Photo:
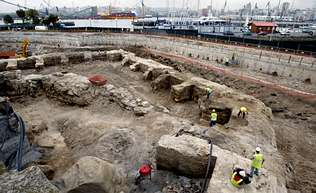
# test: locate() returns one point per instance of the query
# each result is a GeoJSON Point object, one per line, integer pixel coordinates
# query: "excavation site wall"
{"type": "Point", "coordinates": [270, 62]}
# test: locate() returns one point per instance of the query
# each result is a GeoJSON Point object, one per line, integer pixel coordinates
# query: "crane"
{"type": "Point", "coordinates": [16, 5]}
{"type": "Point", "coordinates": [20, 6]}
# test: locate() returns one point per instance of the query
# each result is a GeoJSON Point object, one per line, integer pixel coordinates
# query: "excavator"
{"type": "Point", "coordinates": [25, 51]}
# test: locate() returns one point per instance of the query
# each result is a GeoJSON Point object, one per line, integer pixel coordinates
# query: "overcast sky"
{"type": "Point", "coordinates": [231, 4]}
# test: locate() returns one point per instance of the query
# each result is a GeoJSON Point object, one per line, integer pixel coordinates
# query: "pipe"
{"type": "Point", "coordinates": [208, 167]}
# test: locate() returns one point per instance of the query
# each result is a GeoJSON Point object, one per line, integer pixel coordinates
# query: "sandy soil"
{"type": "Point", "coordinates": [105, 130]}
{"type": "Point", "coordinates": [294, 120]}
{"type": "Point", "coordinates": [294, 123]}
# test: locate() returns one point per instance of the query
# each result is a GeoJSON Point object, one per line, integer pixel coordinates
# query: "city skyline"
{"type": "Point", "coordinates": [217, 4]}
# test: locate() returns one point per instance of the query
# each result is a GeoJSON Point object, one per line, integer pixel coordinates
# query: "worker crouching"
{"type": "Point", "coordinates": [144, 172]}
{"type": "Point", "coordinates": [240, 177]}
{"type": "Point", "coordinates": [242, 112]}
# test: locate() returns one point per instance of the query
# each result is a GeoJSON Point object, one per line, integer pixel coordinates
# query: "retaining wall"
{"type": "Point", "coordinates": [291, 66]}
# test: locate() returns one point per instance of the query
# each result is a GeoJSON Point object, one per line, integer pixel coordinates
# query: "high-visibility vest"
{"type": "Point", "coordinates": [213, 116]}
{"type": "Point", "coordinates": [243, 109]}
{"type": "Point", "coordinates": [235, 180]}
{"type": "Point", "coordinates": [257, 161]}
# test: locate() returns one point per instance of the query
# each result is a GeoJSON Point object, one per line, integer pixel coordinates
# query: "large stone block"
{"type": "Point", "coordinates": [75, 58]}
{"type": "Point", "coordinates": [266, 183]}
{"type": "Point", "coordinates": [91, 174]}
{"type": "Point", "coordinates": [99, 56]}
{"type": "Point", "coordinates": [165, 81]}
{"type": "Point", "coordinates": [3, 66]}
{"type": "Point", "coordinates": [28, 63]}
{"type": "Point", "coordinates": [11, 75]}
{"type": "Point", "coordinates": [185, 155]}
{"type": "Point", "coordinates": [69, 88]}
{"type": "Point", "coordinates": [52, 60]}
{"type": "Point", "coordinates": [182, 91]}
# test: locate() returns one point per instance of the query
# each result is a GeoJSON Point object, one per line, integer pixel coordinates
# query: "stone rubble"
{"type": "Point", "coordinates": [29, 180]}
{"type": "Point", "coordinates": [127, 100]}
{"type": "Point", "coordinates": [70, 88]}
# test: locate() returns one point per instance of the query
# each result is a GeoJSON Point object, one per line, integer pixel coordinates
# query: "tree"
{"type": "Point", "coordinates": [33, 15]}
{"type": "Point", "coordinates": [45, 21]}
{"type": "Point", "coordinates": [36, 21]}
{"type": "Point", "coordinates": [8, 19]}
{"type": "Point", "coordinates": [51, 19]}
{"type": "Point", "coordinates": [21, 14]}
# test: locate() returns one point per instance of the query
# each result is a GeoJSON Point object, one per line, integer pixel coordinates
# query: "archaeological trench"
{"type": "Point", "coordinates": [153, 108]}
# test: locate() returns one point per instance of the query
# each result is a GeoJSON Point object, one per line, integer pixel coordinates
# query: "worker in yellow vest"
{"type": "Point", "coordinates": [257, 162]}
{"type": "Point", "coordinates": [239, 177]}
{"type": "Point", "coordinates": [213, 118]}
{"type": "Point", "coordinates": [243, 111]}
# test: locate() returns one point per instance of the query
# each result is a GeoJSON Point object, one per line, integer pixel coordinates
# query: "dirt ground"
{"type": "Point", "coordinates": [127, 140]}
{"type": "Point", "coordinates": [294, 122]}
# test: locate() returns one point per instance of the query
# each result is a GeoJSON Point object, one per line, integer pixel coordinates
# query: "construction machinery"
{"type": "Point", "coordinates": [24, 51]}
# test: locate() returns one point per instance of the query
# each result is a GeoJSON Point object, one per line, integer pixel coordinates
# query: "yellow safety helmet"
{"type": "Point", "coordinates": [213, 111]}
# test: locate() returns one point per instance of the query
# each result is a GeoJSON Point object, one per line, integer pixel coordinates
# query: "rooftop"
{"type": "Point", "coordinates": [264, 23]}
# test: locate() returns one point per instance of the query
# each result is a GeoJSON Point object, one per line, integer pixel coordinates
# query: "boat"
{"type": "Point", "coordinates": [148, 22]}
{"type": "Point", "coordinates": [120, 15]}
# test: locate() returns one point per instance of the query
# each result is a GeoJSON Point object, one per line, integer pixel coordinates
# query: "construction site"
{"type": "Point", "coordinates": [95, 107]}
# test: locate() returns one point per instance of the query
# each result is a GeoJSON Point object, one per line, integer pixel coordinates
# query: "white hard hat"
{"type": "Point", "coordinates": [242, 173]}
{"type": "Point", "coordinates": [258, 149]}
{"type": "Point", "coordinates": [2, 99]}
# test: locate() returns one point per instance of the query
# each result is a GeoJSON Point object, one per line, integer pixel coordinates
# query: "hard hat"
{"type": "Point", "coordinates": [213, 110]}
{"type": "Point", "coordinates": [258, 149]}
{"type": "Point", "coordinates": [2, 99]}
{"type": "Point", "coordinates": [242, 173]}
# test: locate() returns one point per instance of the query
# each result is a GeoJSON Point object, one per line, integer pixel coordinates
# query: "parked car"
{"type": "Point", "coordinates": [285, 33]}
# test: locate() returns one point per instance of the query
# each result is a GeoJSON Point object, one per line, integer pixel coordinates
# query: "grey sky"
{"type": "Point", "coordinates": [231, 4]}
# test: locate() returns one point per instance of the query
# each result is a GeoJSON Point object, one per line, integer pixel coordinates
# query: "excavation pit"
{"type": "Point", "coordinates": [115, 105]}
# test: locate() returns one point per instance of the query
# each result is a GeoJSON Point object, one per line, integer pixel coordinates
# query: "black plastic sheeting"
{"type": "Point", "coordinates": [15, 149]}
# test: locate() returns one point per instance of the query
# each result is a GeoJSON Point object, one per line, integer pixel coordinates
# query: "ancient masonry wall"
{"type": "Point", "coordinates": [296, 67]}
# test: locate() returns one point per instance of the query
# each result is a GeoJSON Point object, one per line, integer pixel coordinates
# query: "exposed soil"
{"type": "Point", "coordinates": [294, 123]}
{"type": "Point", "coordinates": [128, 140]}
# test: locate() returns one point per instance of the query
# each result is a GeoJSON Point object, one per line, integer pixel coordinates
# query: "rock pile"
{"type": "Point", "coordinates": [183, 185]}
{"type": "Point", "coordinates": [69, 88]}
{"type": "Point", "coordinates": [29, 180]}
{"type": "Point", "coordinates": [127, 100]}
